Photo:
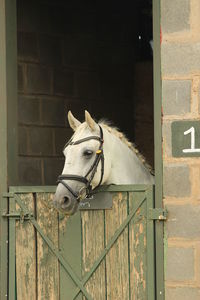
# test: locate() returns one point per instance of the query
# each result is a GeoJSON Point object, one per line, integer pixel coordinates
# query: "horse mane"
{"type": "Point", "coordinates": [114, 130]}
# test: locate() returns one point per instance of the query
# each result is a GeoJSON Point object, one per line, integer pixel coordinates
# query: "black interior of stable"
{"type": "Point", "coordinates": [77, 55]}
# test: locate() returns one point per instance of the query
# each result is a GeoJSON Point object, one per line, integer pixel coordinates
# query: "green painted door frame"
{"type": "Point", "coordinates": [8, 123]}
{"type": "Point", "coordinates": [159, 228]}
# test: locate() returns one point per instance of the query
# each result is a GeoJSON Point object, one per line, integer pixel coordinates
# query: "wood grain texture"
{"type": "Point", "coordinates": [81, 239]}
{"type": "Point", "coordinates": [26, 254]}
{"type": "Point", "coordinates": [92, 246]}
{"type": "Point", "coordinates": [47, 263]}
{"type": "Point", "coordinates": [137, 248]}
{"type": "Point", "coordinates": [117, 269]}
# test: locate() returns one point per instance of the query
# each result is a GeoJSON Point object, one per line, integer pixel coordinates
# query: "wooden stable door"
{"type": "Point", "coordinates": [95, 254]}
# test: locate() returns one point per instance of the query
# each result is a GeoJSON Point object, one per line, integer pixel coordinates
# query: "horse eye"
{"type": "Point", "coordinates": [88, 153]}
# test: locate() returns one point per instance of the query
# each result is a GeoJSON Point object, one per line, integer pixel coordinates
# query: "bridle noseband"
{"type": "Point", "coordinates": [86, 190]}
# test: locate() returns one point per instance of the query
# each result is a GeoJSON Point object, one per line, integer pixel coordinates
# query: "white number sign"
{"type": "Point", "coordinates": [192, 148]}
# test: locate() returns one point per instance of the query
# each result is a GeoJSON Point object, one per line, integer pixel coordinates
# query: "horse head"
{"type": "Point", "coordinates": [84, 167]}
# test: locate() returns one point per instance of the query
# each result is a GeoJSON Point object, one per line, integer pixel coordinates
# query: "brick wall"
{"type": "Point", "coordinates": [42, 94]}
{"type": "Point", "coordinates": [78, 56]}
{"type": "Point", "coordinates": [180, 58]}
{"type": "Point", "coordinates": [71, 55]}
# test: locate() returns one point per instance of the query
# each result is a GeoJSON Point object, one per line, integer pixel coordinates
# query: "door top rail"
{"type": "Point", "coordinates": [104, 188]}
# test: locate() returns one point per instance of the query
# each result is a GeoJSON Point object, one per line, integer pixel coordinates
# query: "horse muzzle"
{"type": "Point", "coordinates": [66, 204]}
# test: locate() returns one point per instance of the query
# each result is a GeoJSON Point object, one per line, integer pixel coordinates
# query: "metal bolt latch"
{"type": "Point", "coordinates": [18, 215]}
{"type": "Point", "coordinates": [157, 214]}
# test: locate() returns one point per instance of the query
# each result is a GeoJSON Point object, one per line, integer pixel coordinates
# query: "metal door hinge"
{"type": "Point", "coordinates": [18, 215]}
{"type": "Point", "coordinates": [157, 214]}
{"type": "Point", "coordinates": [22, 214]}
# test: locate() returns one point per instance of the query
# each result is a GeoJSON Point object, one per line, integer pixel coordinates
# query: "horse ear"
{"type": "Point", "coordinates": [73, 122]}
{"type": "Point", "coordinates": [88, 119]}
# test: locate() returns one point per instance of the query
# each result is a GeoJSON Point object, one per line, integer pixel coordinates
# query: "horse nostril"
{"type": "Point", "coordinates": [66, 202]}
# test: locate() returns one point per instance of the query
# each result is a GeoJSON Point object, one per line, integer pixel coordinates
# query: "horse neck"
{"type": "Point", "coordinates": [126, 167]}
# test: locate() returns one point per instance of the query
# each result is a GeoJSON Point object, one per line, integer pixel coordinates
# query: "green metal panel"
{"type": "Point", "coordinates": [97, 201]}
{"type": "Point", "coordinates": [8, 122]}
{"type": "Point", "coordinates": [159, 230]}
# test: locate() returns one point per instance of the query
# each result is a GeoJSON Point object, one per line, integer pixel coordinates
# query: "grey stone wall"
{"type": "Point", "coordinates": [180, 55]}
{"type": "Point", "coordinates": [71, 56]}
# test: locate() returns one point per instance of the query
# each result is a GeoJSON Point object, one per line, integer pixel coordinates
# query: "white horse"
{"type": "Point", "coordinates": [97, 154]}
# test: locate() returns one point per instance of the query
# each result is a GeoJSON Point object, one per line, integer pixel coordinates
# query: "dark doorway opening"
{"type": "Point", "coordinates": [77, 55]}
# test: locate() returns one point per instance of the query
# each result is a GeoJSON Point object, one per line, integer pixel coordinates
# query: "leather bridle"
{"type": "Point", "coordinates": [86, 190]}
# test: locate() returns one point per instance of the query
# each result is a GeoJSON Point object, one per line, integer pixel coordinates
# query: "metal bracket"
{"type": "Point", "coordinates": [97, 201]}
{"type": "Point", "coordinates": [157, 214]}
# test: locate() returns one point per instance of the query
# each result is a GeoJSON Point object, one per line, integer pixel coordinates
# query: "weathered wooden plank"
{"type": "Point", "coordinates": [92, 245]}
{"type": "Point", "coordinates": [117, 269]}
{"type": "Point", "coordinates": [33, 189]}
{"type": "Point", "coordinates": [137, 248]}
{"type": "Point", "coordinates": [47, 263]}
{"type": "Point", "coordinates": [81, 240]}
{"type": "Point", "coordinates": [26, 254]}
{"type": "Point", "coordinates": [70, 245]}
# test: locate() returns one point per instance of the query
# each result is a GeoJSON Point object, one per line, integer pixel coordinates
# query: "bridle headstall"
{"type": "Point", "coordinates": [85, 191]}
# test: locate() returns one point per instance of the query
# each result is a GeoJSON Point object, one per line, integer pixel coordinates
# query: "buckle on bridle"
{"type": "Point", "coordinates": [99, 151]}
{"type": "Point", "coordinates": [82, 194]}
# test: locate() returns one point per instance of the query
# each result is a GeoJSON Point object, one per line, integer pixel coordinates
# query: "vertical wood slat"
{"type": "Point", "coordinates": [26, 254]}
{"type": "Point", "coordinates": [47, 263]}
{"type": "Point", "coordinates": [117, 258]}
{"type": "Point", "coordinates": [137, 248]}
{"type": "Point", "coordinates": [92, 246]}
